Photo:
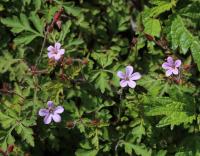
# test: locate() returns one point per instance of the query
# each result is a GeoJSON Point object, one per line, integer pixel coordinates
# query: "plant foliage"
{"type": "Point", "coordinates": [159, 117]}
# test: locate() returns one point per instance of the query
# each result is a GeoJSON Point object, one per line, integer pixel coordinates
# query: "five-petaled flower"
{"type": "Point", "coordinates": [171, 66]}
{"type": "Point", "coordinates": [51, 112]}
{"type": "Point", "coordinates": [128, 78]}
{"type": "Point", "coordinates": [55, 52]}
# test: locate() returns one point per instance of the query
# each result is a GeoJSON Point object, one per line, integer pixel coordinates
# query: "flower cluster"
{"type": "Point", "coordinates": [127, 79]}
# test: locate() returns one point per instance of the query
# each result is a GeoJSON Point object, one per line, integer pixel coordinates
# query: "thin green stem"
{"type": "Point", "coordinates": [41, 51]}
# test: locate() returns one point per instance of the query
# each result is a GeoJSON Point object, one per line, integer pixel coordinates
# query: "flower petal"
{"type": "Point", "coordinates": [43, 112]}
{"type": "Point", "coordinates": [58, 109]}
{"type": "Point", "coordinates": [170, 60]}
{"type": "Point", "coordinates": [175, 71]}
{"type": "Point", "coordinates": [166, 65]}
{"type": "Point", "coordinates": [129, 70]}
{"type": "Point", "coordinates": [50, 55]}
{"type": "Point", "coordinates": [57, 45]}
{"type": "Point", "coordinates": [135, 76]}
{"type": "Point", "coordinates": [48, 119]}
{"type": "Point", "coordinates": [131, 84]}
{"type": "Point", "coordinates": [168, 72]}
{"type": "Point", "coordinates": [50, 48]}
{"type": "Point", "coordinates": [50, 104]}
{"type": "Point", "coordinates": [57, 57]}
{"type": "Point", "coordinates": [123, 83]}
{"type": "Point", "coordinates": [61, 51]}
{"type": "Point", "coordinates": [56, 117]}
{"type": "Point", "coordinates": [121, 75]}
{"type": "Point", "coordinates": [177, 63]}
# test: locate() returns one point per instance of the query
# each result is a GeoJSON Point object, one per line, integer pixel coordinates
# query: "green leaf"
{"type": "Point", "coordinates": [75, 42]}
{"type": "Point", "coordinates": [23, 25]}
{"type": "Point", "coordinates": [102, 82]}
{"type": "Point", "coordinates": [195, 48]}
{"type": "Point", "coordinates": [37, 22]}
{"type": "Point", "coordinates": [175, 112]}
{"type": "Point", "coordinates": [14, 23]}
{"type": "Point", "coordinates": [6, 61]}
{"type": "Point", "coordinates": [153, 84]}
{"type": "Point", "coordinates": [6, 121]}
{"type": "Point", "coordinates": [182, 38]}
{"type": "Point", "coordinates": [189, 146]}
{"type": "Point", "coordinates": [37, 4]}
{"type": "Point", "coordinates": [26, 133]}
{"type": "Point", "coordinates": [25, 38]}
{"type": "Point", "coordinates": [138, 149]}
{"type": "Point", "coordinates": [104, 59]}
{"type": "Point", "coordinates": [152, 27]}
{"type": "Point", "coordinates": [161, 6]}
{"type": "Point", "coordinates": [82, 152]}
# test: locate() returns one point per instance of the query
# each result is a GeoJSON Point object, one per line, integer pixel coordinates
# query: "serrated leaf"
{"type": "Point", "coordinates": [23, 24]}
{"type": "Point", "coordinates": [161, 6]}
{"type": "Point", "coordinates": [6, 61]}
{"type": "Point", "coordinates": [104, 59]}
{"type": "Point", "coordinates": [6, 121]}
{"type": "Point", "coordinates": [138, 149]}
{"type": "Point", "coordinates": [154, 85]}
{"type": "Point", "coordinates": [102, 82]}
{"type": "Point", "coordinates": [152, 27]}
{"type": "Point", "coordinates": [82, 152]}
{"type": "Point", "coordinates": [37, 4]}
{"type": "Point", "coordinates": [26, 133]}
{"type": "Point", "coordinates": [14, 23]}
{"type": "Point", "coordinates": [25, 38]}
{"type": "Point", "coordinates": [195, 48]}
{"type": "Point", "coordinates": [37, 22]}
{"type": "Point", "coordinates": [174, 112]}
{"type": "Point", "coordinates": [176, 118]}
{"type": "Point", "coordinates": [181, 37]}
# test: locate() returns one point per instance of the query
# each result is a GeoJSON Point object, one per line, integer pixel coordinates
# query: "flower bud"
{"type": "Point", "coordinates": [85, 61]}
{"type": "Point", "coordinates": [70, 124]}
{"type": "Point", "coordinates": [10, 148]}
{"type": "Point", "coordinates": [69, 61]}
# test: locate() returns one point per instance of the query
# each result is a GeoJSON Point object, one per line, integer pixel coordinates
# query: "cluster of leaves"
{"type": "Point", "coordinates": [161, 116]}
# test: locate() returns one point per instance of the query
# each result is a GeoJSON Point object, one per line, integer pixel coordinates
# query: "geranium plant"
{"type": "Point", "coordinates": [103, 77]}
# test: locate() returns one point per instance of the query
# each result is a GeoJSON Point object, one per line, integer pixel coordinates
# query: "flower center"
{"type": "Point", "coordinates": [55, 51]}
{"type": "Point", "coordinates": [173, 66]}
{"type": "Point", "coordinates": [51, 110]}
{"type": "Point", "coordinates": [127, 78]}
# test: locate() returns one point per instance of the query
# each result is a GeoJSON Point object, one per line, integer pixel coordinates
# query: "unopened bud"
{"type": "Point", "coordinates": [70, 124]}
{"type": "Point", "coordinates": [69, 61]}
{"type": "Point", "coordinates": [85, 61]}
{"type": "Point", "coordinates": [149, 37]}
{"type": "Point", "coordinates": [10, 148]}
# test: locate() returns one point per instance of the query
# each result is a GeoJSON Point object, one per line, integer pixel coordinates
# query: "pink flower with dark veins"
{"type": "Point", "coordinates": [171, 66]}
{"type": "Point", "coordinates": [51, 112]}
{"type": "Point", "coordinates": [128, 78]}
{"type": "Point", "coordinates": [55, 52]}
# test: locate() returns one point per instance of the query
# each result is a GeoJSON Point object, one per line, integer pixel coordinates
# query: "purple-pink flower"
{"type": "Point", "coordinates": [55, 52]}
{"type": "Point", "coordinates": [51, 112]}
{"type": "Point", "coordinates": [171, 66]}
{"type": "Point", "coordinates": [128, 78]}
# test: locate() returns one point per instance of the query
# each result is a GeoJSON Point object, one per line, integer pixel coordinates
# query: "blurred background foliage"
{"type": "Point", "coordinates": [159, 117]}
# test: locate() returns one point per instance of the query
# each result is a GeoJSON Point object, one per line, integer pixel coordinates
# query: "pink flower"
{"type": "Point", "coordinates": [128, 78]}
{"type": "Point", "coordinates": [51, 112]}
{"type": "Point", "coordinates": [55, 52]}
{"type": "Point", "coordinates": [171, 67]}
